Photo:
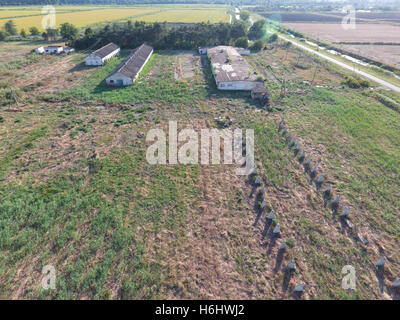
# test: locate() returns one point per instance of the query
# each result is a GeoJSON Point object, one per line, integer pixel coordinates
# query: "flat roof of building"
{"type": "Point", "coordinates": [229, 65]}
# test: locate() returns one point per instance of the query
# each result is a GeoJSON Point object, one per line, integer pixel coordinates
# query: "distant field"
{"type": "Point", "coordinates": [386, 54]}
{"type": "Point", "coordinates": [6, 14]}
{"type": "Point", "coordinates": [189, 15]}
{"type": "Point", "coordinates": [381, 16]}
{"type": "Point", "coordinates": [331, 17]}
{"type": "Point", "coordinates": [301, 17]}
{"type": "Point", "coordinates": [334, 32]}
{"type": "Point", "coordinates": [81, 16]}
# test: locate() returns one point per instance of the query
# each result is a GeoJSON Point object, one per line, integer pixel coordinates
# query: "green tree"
{"type": "Point", "coordinates": [34, 31]}
{"type": "Point", "coordinates": [238, 29]}
{"type": "Point", "coordinates": [257, 45]}
{"type": "Point", "coordinates": [68, 31]}
{"type": "Point", "coordinates": [257, 30]}
{"type": "Point", "coordinates": [51, 34]}
{"type": "Point", "coordinates": [23, 33]}
{"type": "Point", "coordinates": [273, 38]}
{"type": "Point", "coordinates": [11, 28]}
{"type": "Point", "coordinates": [242, 42]}
{"type": "Point", "coordinates": [244, 15]}
{"type": "Point", "coordinates": [2, 35]}
{"type": "Point", "coordinates": [89, 33]}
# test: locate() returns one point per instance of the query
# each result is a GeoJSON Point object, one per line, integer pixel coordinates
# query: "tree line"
{"type": "Point", "coordinates": [67, 31]}
{"type": "Point", "coordinates": [161, 36]}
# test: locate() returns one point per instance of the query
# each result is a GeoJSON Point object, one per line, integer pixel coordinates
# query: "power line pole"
{"type": "Point", "coordinates": [315, 72]}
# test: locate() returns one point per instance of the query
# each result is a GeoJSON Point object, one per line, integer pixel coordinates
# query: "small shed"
{"type": "Point", "coordinates": [260, 94]}
{"type": "Point", "coordinates": [68, 50]}
{"type": "Point", "coordinates": [54, 49]}
{"type": "Point", "coordinates": [39, 50]}
{"type": "Point", "coordinates": [100, 56]}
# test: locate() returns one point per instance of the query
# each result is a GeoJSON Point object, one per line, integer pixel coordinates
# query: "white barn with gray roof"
{"type": "Point", "coordinates": [100, 56]}
{"type": "Point", "coordinates": [128, 71]}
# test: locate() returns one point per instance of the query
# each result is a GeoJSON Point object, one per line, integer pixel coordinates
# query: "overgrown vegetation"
{"type": "Point", "coordinates": [77, 192]}
{"type": "Point", "coordinates": [355, 83]}
{"type": "Point", "coordinates": [159, 88]}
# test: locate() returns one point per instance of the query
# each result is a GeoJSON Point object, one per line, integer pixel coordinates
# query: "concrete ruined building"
{"type": "Point", "coordinates": [231, 71]}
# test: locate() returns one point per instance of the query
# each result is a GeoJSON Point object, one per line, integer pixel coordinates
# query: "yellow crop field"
{"type": "Point", "coordinates": [79, 18]}
{"type": "Point", "coordinates": [26, 17]}
{"type": "Point", "coordinates": [17, 13]}
{"type": "Point", "coordinates": [190, 15]}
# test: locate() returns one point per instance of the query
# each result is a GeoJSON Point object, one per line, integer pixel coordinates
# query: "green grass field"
{"type": "Point", "coordinates": [145, 90]}
{"type": "Point", "coordinates": [77, 192]}
{"type": "Point", "coordinates": [26, 17]}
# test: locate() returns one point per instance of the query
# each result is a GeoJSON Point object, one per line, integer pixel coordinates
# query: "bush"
{"type": "Point", "coordinates": [355, 83]}
{"type": "Point", "coordinates": [273, 38]}
{"type": "Point", "coordinates": [388, 102]}
{"type": "Point", "coordinates": [260, 78]}
{"type": "Point", "coordinates": [11, 28]}
{"type": "Point", "coordinates": [2, 35]}
{"type": "Point", "coordinates": [68, 31]}
{"type": "Point", "coordinates": [257, 30]}
{"type": "Point", "coordinates": [290, 243]}
{"type": "Point", "coordinates": [244, 15]}
{"type": "Point", "coordinates": [242, 42]}
{"type": "Point", "coordinates": [34, 31]}
{"type": "Point", "coordinates": [50, 34]}
{"type": "Point", "coordinates": [257, 45]}
{"type": "Point", "coordinates": [9, 96]}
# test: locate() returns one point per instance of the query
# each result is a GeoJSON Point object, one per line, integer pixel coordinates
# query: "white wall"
{"type": "Point", "coordinates": [54, 50]}
{"type": "Point", "coordinates": [111, 55]}
{"type": "Point", "coordinates": [244, 52]}
{"type": "Point", "coordinates": [144, 64]}
{"type": "Point", "coordinates": [237, 85]}
{"type": "Point", "coordinates": [203, 50]}
{"type": "Point", "coordinates": [94, 60]}
{"type": "Point", "coordinates": [39, 50]}
{"type": "Point", "coordinates": [126, 81]}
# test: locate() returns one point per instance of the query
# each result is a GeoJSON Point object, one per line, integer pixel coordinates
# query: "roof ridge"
{"type": "Point", "coordinates": [136, 59]}
{"type": "Point", "coordinates": [99, 51]}
{"type": "Point", "coordinates": [130, 57]}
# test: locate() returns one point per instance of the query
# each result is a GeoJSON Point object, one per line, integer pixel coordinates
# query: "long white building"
{"type": "Point", "coordinates": [128, 71]}
{"type": "Point", "coordinates": [100, 56]}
